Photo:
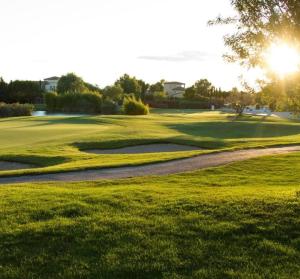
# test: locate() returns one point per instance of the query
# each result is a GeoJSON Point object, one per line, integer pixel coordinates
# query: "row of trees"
{"type": "Point", "coordinates": [202, 91]}
{"type": "Point", "coordinates": [20, 91]}
{"type": "Point", "coordinates": [277, 95]}
{"type": "Point", "coordinates": [32, 91]}
{"type": "Point", "coordinates": [75, 95]}
{"type": "Point", "coordinates": [70, 89]}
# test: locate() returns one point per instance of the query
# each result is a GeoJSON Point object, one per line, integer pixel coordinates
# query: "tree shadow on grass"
{"type": "Point", "coordinates": [121, 248]}
{"type": "Point", "coordinates": [37, 160]}
{"type": "Point", "coordinates": [236, 129]}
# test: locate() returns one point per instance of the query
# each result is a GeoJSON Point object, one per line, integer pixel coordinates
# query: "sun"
{"type": "Point", "coordinates": [282, 59]}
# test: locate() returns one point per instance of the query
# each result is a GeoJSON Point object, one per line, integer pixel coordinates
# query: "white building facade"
{"type": "Point", "coordinates": [174, 89]}
{"type": "Point", "coordinates": [50, 84]}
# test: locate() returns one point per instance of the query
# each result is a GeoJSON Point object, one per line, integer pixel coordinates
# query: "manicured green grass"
{"type": "Point", "coordinates": [56, 144]}
{"type": "Point", "coordinates": [236, 221]}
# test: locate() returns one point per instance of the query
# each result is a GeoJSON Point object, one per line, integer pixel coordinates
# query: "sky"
{"type": "Point", "coordinates": [100, 40]}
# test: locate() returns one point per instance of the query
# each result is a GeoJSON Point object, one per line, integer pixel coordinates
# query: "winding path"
{"type": "Point", "coordinates": [164, 168]}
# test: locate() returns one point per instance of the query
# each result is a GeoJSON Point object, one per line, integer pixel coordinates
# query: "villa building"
{"type": "Point", "coordinates": [174, 89]}
{"type": "Point", "coordinates": [50, 84]}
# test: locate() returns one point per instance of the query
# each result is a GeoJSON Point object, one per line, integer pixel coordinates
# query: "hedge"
{"type": "Point", "coordinates": [74, 102]}
{"type": "Point", "coordinates": [185, 104]}
{"type": "Point", "coordinates": [16, 109]}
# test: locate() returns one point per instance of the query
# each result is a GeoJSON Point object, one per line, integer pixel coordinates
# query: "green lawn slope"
{"type": "Point", "coordinates": [236, 221]}
{"type": "Point", "coordinates": [57, 144]}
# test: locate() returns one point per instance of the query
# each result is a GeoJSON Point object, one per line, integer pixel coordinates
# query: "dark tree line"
{"type": "Point", "coordinates": [21, 91]}
{"type": "Point", "coordinates": [32, 92]}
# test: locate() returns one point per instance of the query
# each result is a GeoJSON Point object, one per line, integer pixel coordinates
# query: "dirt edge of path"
{"type": "Point", "coordinates": [164, 168]}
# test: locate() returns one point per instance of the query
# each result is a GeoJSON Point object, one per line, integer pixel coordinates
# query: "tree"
{"type": "Point", "coordinates": [201, 89]}
{"type": "Point", "coordinates": [160, 96]}
{"type": "Point", "coordinates": [190, 93]}
{"type": "Point", "coordinates": [258, 23]}
{"type": "Point", "coordinates": [293, 100]}
{"type": "Point", "coordinates": [3, 90]}
{"type": "Point", "coordinates": [273, 95]}
{"type": "Point", "coordinates": [129, 85]}
{"type": "Point", "coordinates": [282, 94]}
{"type": "Point", "coordinates": [71, 83]}
{"type": "Point", "coordinates": [240, 100]}
{"type": "Point", "coordinates": [114, 92]}
{"type": "Point", "coordinates": [24, 91]}
{"type": "Point", "coordinates": [92, 88]}
{"type": "Point", "coordinates": [144, 87]}
{"type": "Point", "coordinates": [204, 88]}
{"type": "Point", "coordinates": [157, 87]}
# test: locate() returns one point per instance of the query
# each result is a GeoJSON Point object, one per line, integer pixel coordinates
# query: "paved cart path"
{"type": "Point", "coordinates": [164, 168]}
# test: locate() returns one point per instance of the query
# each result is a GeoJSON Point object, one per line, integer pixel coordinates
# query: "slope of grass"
{"type": "Point", "coordinates": [56, 144]}
{"type": "Point", "coordinates": [237, 221]}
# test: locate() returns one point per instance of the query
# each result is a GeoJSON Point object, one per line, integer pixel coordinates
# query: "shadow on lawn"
{"type": "Point", "coordinates": [73, 120]}
{"type": "Point", "coordinates": [37, 160]}
{"type": "Point", "coordinates": [236, 129]}
{"type": "Point", "coordinates": [205, 144]}
{"type": "Point", "coordinates": [145, 247]}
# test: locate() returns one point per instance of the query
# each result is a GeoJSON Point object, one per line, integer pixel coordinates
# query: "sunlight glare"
{"type": "Point", "coordinates": [283, 59]}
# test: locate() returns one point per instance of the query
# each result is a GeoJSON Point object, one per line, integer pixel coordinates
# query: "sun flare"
{"type": "Point", "coordinates": [282, 59]}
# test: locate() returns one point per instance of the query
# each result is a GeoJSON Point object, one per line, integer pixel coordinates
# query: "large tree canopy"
{"type": "Point", "coordinates": [114, 92]}
{"type": "Point", "coordinates": [71, 83]}
{"type": "Point", "coordinates": [258, 23]}
{"type": "Point", "coordinates": [130, 85]}
{"type": "Point", "coordinates": [203, 89]}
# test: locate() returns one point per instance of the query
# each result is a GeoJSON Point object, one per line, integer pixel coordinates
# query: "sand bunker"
{"type": "Point", "coordinates": [148, 148]}
{"type": "Point", "coordinates": [164, 168]}
{"type": "Point", "coordinates": [4, 166]}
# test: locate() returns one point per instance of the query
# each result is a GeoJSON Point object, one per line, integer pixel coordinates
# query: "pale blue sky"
{"type": "Point", "coordinates": [103, 39]}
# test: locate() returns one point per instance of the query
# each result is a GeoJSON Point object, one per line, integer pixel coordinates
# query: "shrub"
{"type": "Point", "coordinates": [132, 106]}
{"type": "Point", "coordinates": [89, 102]}
{"type": "Point", "coordinates": [160, 96]}
{"type": "Point", "coordinates": [51, 101]}
{"type": "Point", "coordinates": [12, 110]}
{"type": "Point", "coordinates": [109, 107]}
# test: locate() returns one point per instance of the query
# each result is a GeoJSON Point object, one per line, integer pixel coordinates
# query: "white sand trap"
{"type": "Point", "coordinates": [147, 148]}
{"type": "Point", "coordinates": [4, 166]}
{"type": "Point", "coordinates": [165, 168]}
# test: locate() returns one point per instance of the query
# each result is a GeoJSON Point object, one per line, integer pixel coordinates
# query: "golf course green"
{"type": "Point", "coordinates": [236, 221]}
{"type": "Point", "coordinates": [57, 144]}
